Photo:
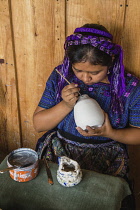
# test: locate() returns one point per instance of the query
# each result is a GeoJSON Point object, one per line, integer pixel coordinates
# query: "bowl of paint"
{"type": "Point", "coordinates": [25, 164]}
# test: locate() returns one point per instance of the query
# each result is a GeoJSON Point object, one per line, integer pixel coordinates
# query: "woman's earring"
{"type": "Point", "coordinates": [108, 72]}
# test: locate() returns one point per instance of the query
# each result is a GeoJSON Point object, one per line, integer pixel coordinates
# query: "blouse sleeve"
{"type": "Point", "coordinates": [48, 98]}
{"type": "Point", "coordinates": [134, 111]}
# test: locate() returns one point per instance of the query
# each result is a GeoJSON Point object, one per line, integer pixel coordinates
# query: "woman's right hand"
{"type": "Point", "coordinates": [70, 94]}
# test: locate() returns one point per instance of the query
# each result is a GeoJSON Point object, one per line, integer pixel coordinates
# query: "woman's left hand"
{"type": "Point", "coordinates": [105, 131]}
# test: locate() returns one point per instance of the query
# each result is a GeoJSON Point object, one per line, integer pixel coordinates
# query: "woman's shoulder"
{"type": "Point", "coordinates": [53, 79]}
{"type": "Point", "coordinates": [131, 80]}
{"type": "Point", "coordinates": [132, 84]}
{"type": "Point", "coordinates": [53, 76]}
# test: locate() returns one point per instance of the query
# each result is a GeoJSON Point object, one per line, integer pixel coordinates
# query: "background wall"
{"type": "Point", "coordinates": [32, 34]}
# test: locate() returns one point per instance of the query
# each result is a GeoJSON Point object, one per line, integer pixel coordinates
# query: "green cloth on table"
{"type": "Point", "coordinates": [95, 192]}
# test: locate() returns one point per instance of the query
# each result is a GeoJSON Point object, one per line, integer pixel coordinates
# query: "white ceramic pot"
{"type": "Point", "coordinates": [69, 173]}
{"type": "Point", "coordinates": [88, 112]}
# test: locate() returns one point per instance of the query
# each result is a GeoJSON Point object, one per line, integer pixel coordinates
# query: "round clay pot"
{"type": "Point", "coordinates": [87, 112]}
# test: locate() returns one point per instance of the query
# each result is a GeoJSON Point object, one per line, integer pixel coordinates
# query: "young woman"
{"type": "Point", "coordinates": [93, 64]}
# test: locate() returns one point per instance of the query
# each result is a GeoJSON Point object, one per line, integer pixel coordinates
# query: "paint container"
{"type": "Point", "coordinates": [28, 159]}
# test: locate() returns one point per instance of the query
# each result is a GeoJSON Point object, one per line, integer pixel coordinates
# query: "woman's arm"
{"type": "Point", "coordinates": [129, 135]}
{"type": "Point", "coordinates": [47, 119]}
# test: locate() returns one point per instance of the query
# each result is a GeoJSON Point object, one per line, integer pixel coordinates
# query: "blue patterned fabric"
{"type": "Point", "coordinates": [101, 93]}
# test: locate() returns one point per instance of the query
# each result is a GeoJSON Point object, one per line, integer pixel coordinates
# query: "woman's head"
{"type": "Point", "coordinates": [89, 64]}
{"type": "Point", "coordinates": [87, 52]}
{"type": "Point", "coordinates": [90, 49]}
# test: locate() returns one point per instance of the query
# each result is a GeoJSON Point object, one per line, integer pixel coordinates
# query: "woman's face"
{"type": "Point", "coordinates": [89, 73]}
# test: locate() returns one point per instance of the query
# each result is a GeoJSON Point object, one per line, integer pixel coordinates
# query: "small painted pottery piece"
{"type": "Point", "coordinates": [69, 173]}
{"type": "Point", "coordinates": [87, 111]}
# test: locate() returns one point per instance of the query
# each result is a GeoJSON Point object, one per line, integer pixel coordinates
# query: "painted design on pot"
{"type": "Point", "coordinates": [69, 173]}
{"type": "Point", "coordinates": [87, 112]}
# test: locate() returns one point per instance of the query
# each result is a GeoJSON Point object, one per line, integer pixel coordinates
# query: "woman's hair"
{"type": "Point", "coordinates": [83, 53]}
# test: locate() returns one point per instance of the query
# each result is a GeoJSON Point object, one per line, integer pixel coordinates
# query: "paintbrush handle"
{"type": "Point", "coordinates": [7, 169]}
{"type": "Point", "coordinates": [65, 79]}
{"type": "Point", "coordinates": [50, 179]}
{"type": "Point", "coordinates": [62, 76]}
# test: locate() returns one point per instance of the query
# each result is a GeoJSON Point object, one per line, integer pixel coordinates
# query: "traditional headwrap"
{"type": "Point", "coordinates": [102, 42]}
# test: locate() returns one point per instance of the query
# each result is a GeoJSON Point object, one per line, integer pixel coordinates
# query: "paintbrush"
{"type": "Point", "coordinates": [50, 179]}
{"type": "Point", "coordinates": [65, 79]}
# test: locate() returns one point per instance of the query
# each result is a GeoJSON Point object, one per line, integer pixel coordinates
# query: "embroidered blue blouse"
{"type": "Point", "coordinates": [101, 93]}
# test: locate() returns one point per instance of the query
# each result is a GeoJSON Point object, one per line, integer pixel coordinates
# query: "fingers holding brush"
{"type": "Point", "coordinates": [70, 94]}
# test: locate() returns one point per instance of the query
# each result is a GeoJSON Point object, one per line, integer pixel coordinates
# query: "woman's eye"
{"type": "Point", "coordinates": [95, 73]}
{"type": "Point", "coordinates": [78, 70]}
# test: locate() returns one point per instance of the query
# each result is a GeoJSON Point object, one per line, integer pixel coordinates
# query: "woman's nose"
{"type": "Point", "coordinates": [86, 77]}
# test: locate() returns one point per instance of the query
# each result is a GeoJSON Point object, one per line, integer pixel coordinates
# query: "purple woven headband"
{"type": "Point", "coordinates": [101, 43]}
{"type": "Point", "coordinates": [94, 31]}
